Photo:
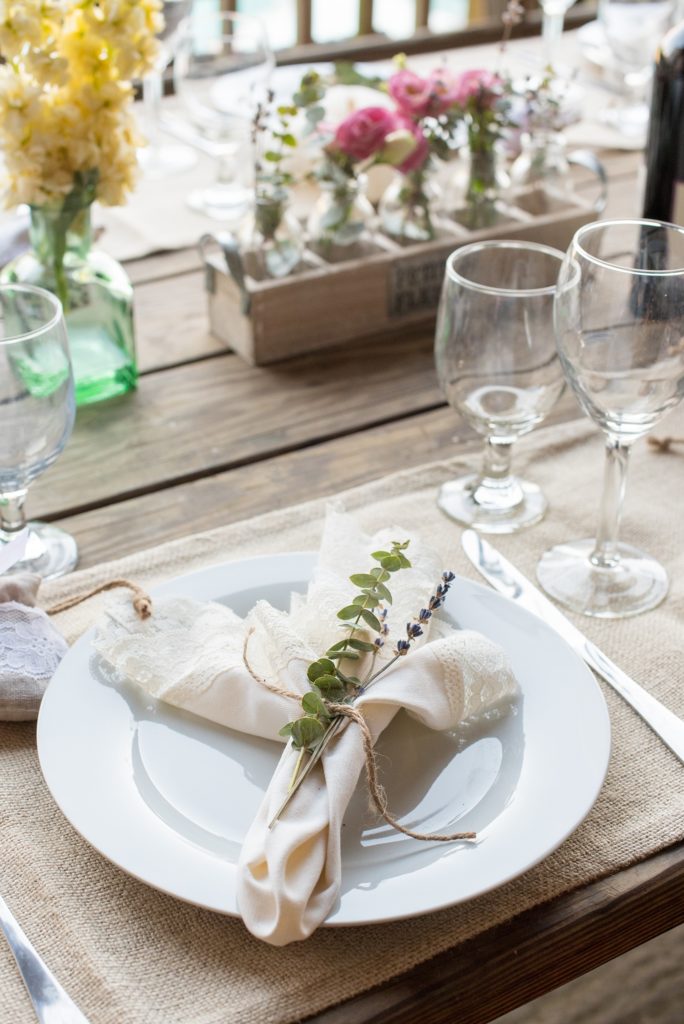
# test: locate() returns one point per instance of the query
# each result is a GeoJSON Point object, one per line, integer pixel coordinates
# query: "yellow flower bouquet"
{"type": "Point", "coordinates": [69, 137]}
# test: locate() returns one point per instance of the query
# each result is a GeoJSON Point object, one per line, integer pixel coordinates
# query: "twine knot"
{"type": "Point", "coordinates": [141, 601]}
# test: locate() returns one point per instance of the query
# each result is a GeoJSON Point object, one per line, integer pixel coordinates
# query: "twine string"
{"type": "Point", "coordinates": [664, 444]}
{"type": "Point", "coordinates": [141, 601]}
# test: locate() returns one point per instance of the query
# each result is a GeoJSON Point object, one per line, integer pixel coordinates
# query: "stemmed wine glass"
{"type": "Point", "coordinates": [37, 412]}
{"type": "Point", "coordinates": [619, 316]}
{"type": "Point", "coordinates": [553, 19]}
{"type": "Point", "coordinates": [222, 64]}
{"type": "Point", "coordinates": [497, 364]}
{"type": "Point", "coordinates": [160, 158]}
{"type": "Point", "coordinates": [633, 30]}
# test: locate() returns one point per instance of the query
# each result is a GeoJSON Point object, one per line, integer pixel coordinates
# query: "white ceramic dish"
{"type": "Point", "coordinates": [168, 796]}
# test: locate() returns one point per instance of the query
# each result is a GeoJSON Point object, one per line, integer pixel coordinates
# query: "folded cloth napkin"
{"type": "Point", "coordinates": [30, 648]}
{"type": "Point", "coordinates": [204, 658]}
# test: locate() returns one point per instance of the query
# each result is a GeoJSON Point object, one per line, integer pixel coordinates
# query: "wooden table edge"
{"type": "Point", "coordinates": [539, 950]}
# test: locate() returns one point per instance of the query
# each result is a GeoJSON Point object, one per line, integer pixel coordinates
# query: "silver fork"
{"type": "Point", "coordinates": [50, 1001]}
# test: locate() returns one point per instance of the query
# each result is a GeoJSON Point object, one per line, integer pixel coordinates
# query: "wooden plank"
{"type": "Point", "coordinates": [172, 322]}
{"type": "Point", "coordinates": [535, 952]}
{"type": "Point", "coordinates": [313, 472]}
{"type": "Point", "coordinates": [165, 264]}
{"type": "Point", "coordinates": [207, 417]}
{"type": "Point", "coordinates": [422, 13]}
{"type": "Point", "coordinates": [304, 22]}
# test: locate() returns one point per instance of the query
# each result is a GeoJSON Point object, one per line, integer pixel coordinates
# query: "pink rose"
{"type": "Point", "coordinates": [417, 158]}
{"type": "Point", "coordinates": [422, 97]}
{"type": "Point", "coordinates": [363, 133]}
{"type": "Point", "coordinates": [411, 93]}
{"type": "Point", "coordinates": [479, 85]}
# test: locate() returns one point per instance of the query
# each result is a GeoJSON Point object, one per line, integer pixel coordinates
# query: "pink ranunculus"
{"type": "Point", "coordinates": [477, 84]}
{"type": "Point", "coordinates": [411, 93]}
{"type": "Point", "coordinates": [417, 158]}
{"type": "Point", "coordinates": [443, 90]}
{"type": "Point", "coordinates": [363, 133]}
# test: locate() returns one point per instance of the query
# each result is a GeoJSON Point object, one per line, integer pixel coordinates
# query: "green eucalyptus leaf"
{"type": "Point", "coordinates": [306, 733]}
{"type": "Point", "coordinates": [363, 579]}
{"type": "Point", "coordinates": [391, 562]}
{"type": "Point", "coordinates": [319, 668]}
{"type": "Point", "coordinates": [339, 646]}
{"type": "Point", "coordinates": [381, 575]}
{"type": "Point", "coordinates": [343, 655]}
{"type": "Point", "coordinates": [369, 618]}
{"type": "Point", "coordinates": [379, 555]}
{"type": "Point", "coordinates": [272, 156]}
{"type": "Point", "coordinates": [288, 140]}
{"type": "Point", "coordinates": [331, 687]}
{"type": "Point", "coordinates": [313, 705]}
{"type": "Point", "coordinates": [361, 645]}
{"type": "Point", "coordinates": [383, 593]}
{"type": "Point", "coordinates": [350, 612]}
{"type": "Point", "coordinates": [405, 564]}
{"type": "Point", "coordinates": [286, 729]}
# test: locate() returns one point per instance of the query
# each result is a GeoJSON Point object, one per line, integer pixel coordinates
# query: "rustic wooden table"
{"type": "Point", "coordinates": [206, 440]}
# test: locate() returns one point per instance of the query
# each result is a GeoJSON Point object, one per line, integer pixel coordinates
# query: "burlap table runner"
{"type": "Point", "coordinates": [130, 955]}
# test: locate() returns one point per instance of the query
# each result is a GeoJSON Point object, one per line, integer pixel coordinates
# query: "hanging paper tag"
{"type": "Point", "coordinates": [13, 551]}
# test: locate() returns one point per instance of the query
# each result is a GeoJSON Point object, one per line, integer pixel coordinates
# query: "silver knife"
{"type": "Point", "coordinates": [509, 581]}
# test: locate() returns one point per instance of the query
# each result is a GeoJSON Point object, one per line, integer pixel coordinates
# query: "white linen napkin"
{"type": "Point", "coordinates": [30, 648]}
{"type": "Point", "coordinates": [193, 656]}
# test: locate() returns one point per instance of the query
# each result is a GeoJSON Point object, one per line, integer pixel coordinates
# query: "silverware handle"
{"type": "Point", "coordinates": [664, 722]}
{"type": "Point", "coordinates": [50, 1001]}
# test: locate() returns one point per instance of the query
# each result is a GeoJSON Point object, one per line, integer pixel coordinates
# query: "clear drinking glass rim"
{"type": "Point", "coordinates": [621, 222]}
{"type": "Point", "coordinates": [48, 325]}
{"type": "Point", "coordinates": [502, 243]}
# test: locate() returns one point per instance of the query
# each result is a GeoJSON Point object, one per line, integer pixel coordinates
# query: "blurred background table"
{"type": "Point", "coordinates": [207, 440]}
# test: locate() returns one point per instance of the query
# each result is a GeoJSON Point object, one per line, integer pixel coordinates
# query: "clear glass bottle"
{"type": "Point", "coordinates": [270, 238]}
{"type": "Point", "coordinates": [407, 208]}
{"type": "Point", "coordinates": [542, 162]}
{"type": "Point", "coordinates": [95, 292]}
{"type": "Point", "coordinates": [342, 220]}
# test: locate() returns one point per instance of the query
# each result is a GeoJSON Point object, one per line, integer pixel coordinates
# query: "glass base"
{"type": "Point", "coordinates": [635, 584]}
{"type": "Point", "coordinates": [101, 369]}
{"type": "Point", "coordinates": [226, 203]}
{"type": "Point", "coordinates": [517, 504]}
{"type": "Point", "coordinates": [165, 160]}
{"type": "Point", "coordinates": [50, 552]}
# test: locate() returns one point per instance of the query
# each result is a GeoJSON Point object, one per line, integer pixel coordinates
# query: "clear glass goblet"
{"type": "Point", "coordinates": [497, 364]}
{"type": "Point", "coordinates": [553, 19]}
{"type": "Point", "coordinates": [633, 29]}
{"type": "Point", "coordinates": [37, 412]}
{"type": "Point", "coordinates": [160, 158]}
{"type": "Point", "coordinates": [222, 65]}
{"type": "Point", "coordinates": [619, 314]}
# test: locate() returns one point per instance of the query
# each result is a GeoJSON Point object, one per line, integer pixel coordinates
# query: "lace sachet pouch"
{"type": "Point", "coordinates": [30, 648]}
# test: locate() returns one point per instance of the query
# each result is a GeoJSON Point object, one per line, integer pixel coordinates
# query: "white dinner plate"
{"type": "Point", "coordinates": [168, 796]}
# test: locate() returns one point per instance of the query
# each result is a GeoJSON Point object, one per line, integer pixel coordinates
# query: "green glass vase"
{"type": "Point", "coordinates": [95, 292]}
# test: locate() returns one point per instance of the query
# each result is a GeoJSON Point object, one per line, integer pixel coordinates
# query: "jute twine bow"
{"type": "Point", "coordinates": [376, 791]}
{"type": "Point", "coordinates": [141, 601]}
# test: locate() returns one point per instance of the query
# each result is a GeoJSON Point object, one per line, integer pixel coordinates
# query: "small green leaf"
{"type": "Point", "coordinates": [331, 687]}
{"type": "Point", "coordinates": [272, 156]}
{"type": "Point", "coordinates": [369, 618]}
{"type": "Point", "coordinates": [383, 593]}
{"type": "Point", "coordinates": [361, 645]}
{"type": "Point", "coordinates": [286, 729]}
{"type": "Point", "coordinates": [405, 564]}
{"type": "Point", "coordinates": [381, 575]}
{"type": "Point", "coordinates": [288, 140]}
{"type": "Point", "coordinates": [319, 668]}
{"type": "Point", "coordinates": [306, 732]}
{"type": "Point", "coordinates": [343, 655]}
{"type": "Point", "coordinates": [391, 562]}
{"type": "Point", "coordinates": [363, 579]}
{"type": "Point", "coordinates": [379, 555]}
{"type": "Point", "coordinates": [350, 612]}
{"type": "Point", "coordinates": [287, 111]}
{"type": "Point", "coordinates": [339, 646]}
{"type": "Point", "coordinates": [313, 705]}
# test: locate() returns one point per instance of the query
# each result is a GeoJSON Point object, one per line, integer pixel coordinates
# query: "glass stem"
{"type": "Point", "coordinates": [496, 464]}
{"type": "Point", "coordinates": [12, 518]}
{"type": "Point", "coordinates": [605, 554]}
{"type": "Point", "coordinates": [552, 30]}
{"type": "Point", "coordinates": [152, 96]}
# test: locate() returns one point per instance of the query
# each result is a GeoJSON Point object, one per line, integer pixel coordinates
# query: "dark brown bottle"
{"type": "Point", "coordinates": [664, 194]}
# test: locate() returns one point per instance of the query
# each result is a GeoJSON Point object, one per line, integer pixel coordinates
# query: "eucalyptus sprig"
{"type": "Point", "coordinates": [330, 685]}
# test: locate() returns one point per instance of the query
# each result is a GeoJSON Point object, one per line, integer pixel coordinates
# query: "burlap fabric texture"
{"type": "Point", "coordinates": [130, 955]}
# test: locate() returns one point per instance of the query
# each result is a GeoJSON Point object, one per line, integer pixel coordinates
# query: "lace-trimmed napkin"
{"type": "Point", "coordinates": [193, 655]}
{"type": "Point", "coordinates": [30, 646]}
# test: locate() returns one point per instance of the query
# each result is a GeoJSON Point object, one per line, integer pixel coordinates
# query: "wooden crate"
{"type": "Point", "coordinates": [325, 304]}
